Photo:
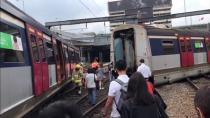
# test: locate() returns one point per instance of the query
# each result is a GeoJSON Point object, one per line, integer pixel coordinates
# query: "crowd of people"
{"type": "Point", "coordinates": [128, 97]}
{"type": "Point", "coordinates": [92, 80]}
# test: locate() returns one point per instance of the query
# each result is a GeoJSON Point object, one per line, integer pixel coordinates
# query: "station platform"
{"type": "Point", "coordinates": [26, 107]}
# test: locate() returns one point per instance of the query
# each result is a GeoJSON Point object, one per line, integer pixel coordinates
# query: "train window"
{"type": "Point", "coordinates": [66, 55]}
{"type": "Point", "coordinates": [34, 48]}
{"type": "Point", "coordinates": [198, 46]}
{"type": "Point", "coordinates": [70, 56]}
{"type": "Point", "coordinates": [168, 46]}
{"type": "Point", "coordinates": [189, 45]}
{"type": "Point", "coordinates": [182, 45]}
{"type": "Point", "coordinates": [50, 53]}
{"type": "Point", "coordinates": [77, 57]}
{"type": "Point", "coordinates": [11, 49]}
{"type": "Point", "coordinates": [73, 57]}
{"type": "Point", "coordinates": [42, 49]}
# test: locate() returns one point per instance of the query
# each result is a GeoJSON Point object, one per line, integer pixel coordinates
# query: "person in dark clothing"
{"type": "Point", "coordinates": [114, 74]}
{"type": "Point", "coordinates": [110, 67]}
{"type": "Point", "coordinates": [139, 103]}
{"type": "Point", "coordinates": [202, 102]}
{"type": "Point", "coordinates": [61, 109]}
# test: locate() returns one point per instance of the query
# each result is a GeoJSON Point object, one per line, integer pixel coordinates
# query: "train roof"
{"type": "Point", "coordinates": [176, 32]}
{"type": "Point", "coordinates": [190, 32]}
{"type": "Point", "coordinates": [160, 31]}
{"type": "Point", "coordinates": [151, 30]}
{"type": "Point", "coordinates": [13, 10]}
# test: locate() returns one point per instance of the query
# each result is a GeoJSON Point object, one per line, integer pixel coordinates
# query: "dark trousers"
{"type": "Point", "coordinates": [92, 95]}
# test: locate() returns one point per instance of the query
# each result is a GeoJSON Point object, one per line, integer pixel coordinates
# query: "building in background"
{"type": "Point", "coordinates": [141, 8]}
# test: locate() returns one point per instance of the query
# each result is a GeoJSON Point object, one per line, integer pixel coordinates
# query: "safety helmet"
{"type": "Point", "coordinates": [78, 66]}
{"type": "Point", "coordinates": [94, 65]}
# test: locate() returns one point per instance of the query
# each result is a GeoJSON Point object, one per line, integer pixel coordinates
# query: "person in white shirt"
{"type": "Point", "coordinates": [144, 69]}
{"type": "Point", "coordinates": [91, 85]}
{"type": "Point", "coordinates": [114, 91]}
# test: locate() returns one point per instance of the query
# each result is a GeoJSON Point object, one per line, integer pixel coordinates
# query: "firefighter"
{"type": "Point", "coordinates": [77, 77]}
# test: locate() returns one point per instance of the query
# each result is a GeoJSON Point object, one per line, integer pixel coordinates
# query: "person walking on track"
{"type": "Point", "coordinates": [114, 91]}
{"type": "Point", "coordinates": [100, 75]}
{"type": "Point", "coordinates": [91, 85]}
{"type": "Point", "coordinates": [144, 70]}
{"type": "Point", "coordinates": [77, 77]}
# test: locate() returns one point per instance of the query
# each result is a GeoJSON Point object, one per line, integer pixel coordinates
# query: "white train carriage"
{"type": "Point", "coordinates": [172, 54]}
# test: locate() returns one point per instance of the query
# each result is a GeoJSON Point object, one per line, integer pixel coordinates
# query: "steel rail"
{"type": "Point", "coordinates": [192, 84]}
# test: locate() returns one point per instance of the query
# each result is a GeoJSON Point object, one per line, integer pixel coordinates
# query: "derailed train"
{"type": "Point", "coordinates": [32, 58]}
{"type": "Point", "coordinates": [172, 54]}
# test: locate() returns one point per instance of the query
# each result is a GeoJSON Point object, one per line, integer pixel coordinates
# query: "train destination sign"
{"type": "Point", "coordinates": [8, 41]}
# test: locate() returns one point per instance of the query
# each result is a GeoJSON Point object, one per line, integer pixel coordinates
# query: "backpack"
{"type": "Point", "coordinates": [123, 95]}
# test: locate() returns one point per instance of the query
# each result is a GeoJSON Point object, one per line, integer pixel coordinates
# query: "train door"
{"type": "Point", "coordinates": [57, 60]}
{"type": "Point", "coordinates": [207, 42]}
{"type": "Point", "coordinates": [35, 59]}
{"type": "Point", "coordinates": [186, 52]}
{"type": "Point", "coordinates": [183, 52]}
{"type": "Point", "coordinates": [45, 69]}
{"type": "Point", "coordinates": [50, 60]}
{"type": "Point", "coordinates": [189, 51]}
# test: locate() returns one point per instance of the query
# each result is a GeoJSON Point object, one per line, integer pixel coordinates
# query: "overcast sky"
{"type": "Point", "coordinates": [56, 10]}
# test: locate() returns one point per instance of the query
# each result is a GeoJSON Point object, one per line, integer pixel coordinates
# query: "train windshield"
{"type": "Point", "coordinates": [124, 47]}
{"type": "Point", "coordinates": [129, 53]}
{"type": "Point", "coordinates": [119, 54]}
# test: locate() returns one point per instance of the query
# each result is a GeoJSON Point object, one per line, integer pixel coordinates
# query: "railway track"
{"type": "Point", "coordinates": [71, 95]}
{"type": "Point", "coordinates": [34, 112]}
{"type": "Point", "coordinates": [101, 97]}
{"type": "Point", "coordinates": [198, 83]}
{"type": "Point", "coordinates": [179, 96]}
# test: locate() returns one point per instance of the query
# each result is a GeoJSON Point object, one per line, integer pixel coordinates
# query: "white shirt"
{"type": "Point", "coordinates": [114, 91]}
{"type": "Point", "coordinates": [90, 80]}
{"type": "Point", "coordinates": [144, 70]}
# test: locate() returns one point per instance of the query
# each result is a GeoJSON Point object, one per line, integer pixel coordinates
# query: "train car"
{"type": "Point", "coordinates": [32, 58]}
{"type": "Point", "coordinates": [172, 54]}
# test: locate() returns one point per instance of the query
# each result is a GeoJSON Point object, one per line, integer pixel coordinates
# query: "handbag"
{"type": "Point", "coordinates": [97, 83]}
{"type": "Point", "coordinates": [161, 101]}
{"type": "Point", "coordinates": [160, 109]}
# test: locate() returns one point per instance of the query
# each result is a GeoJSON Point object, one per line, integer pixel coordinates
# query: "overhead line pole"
{"type": "Point", "coordinates": [126, 18]}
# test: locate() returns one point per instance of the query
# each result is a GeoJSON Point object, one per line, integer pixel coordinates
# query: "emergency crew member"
{"type": "Point", "coordinates": [77, 77]}
{"type": "Point", "coordinates": [95, 65]}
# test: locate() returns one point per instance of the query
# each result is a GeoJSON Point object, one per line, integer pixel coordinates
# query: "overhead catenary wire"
{"type": "Point", "coordinates": [98, 6]}
{"type": "Point", "coordinates": [87, 8]}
